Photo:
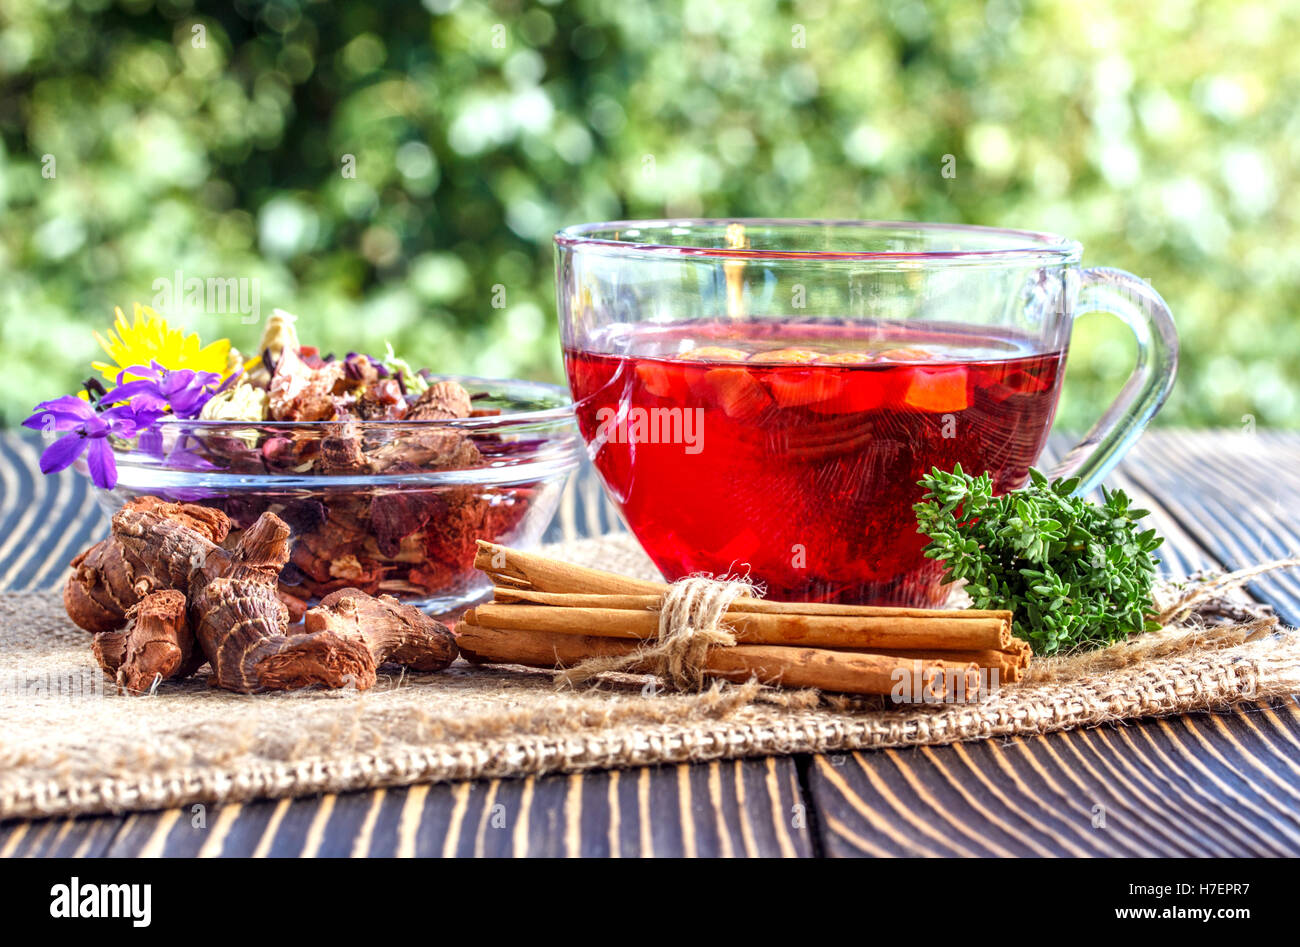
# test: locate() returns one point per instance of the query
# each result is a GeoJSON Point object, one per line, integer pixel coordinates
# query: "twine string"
{"type": "Point", "coordinates": [690, 624]}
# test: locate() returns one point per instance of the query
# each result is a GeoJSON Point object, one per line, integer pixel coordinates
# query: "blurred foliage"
{"type": "Point", "coordinates": [211, 138]}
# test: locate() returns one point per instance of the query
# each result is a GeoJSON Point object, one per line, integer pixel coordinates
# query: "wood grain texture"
{"type": "Point", "coordinates": [1205, 784]}
{"type": "Point", "coordinates": [721, 809]}
{"type": "Point", "coordinates": [1237, 494]}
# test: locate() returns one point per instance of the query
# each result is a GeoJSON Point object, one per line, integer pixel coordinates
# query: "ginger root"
{"type": "Point", "coordinates": [394, 632]}
{"type": "Point", "coordinates": [108, 579]}
{"type": "Point", "coordinates": [197, 601]}
{"type": "Point", "coordinates": [156, 645]}
{"type": "Point", "coordinates": [242, 625]}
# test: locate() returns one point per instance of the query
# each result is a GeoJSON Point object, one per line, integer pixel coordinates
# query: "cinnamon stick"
{"type": "Point", "coordinates": [823, 669]}
{"type": "Point", "coordinates": [545, 612]}
{"type": "Point", "coordinates": [1010, 665]}
{"type": "Point", "coordinates": [550, 575]}
{"type": "Point", "coordinates": [866, 633]}
{"type": "Point", "coordinates": [512, 593]}
{"type": "Point", "coordinates": [525, 576]}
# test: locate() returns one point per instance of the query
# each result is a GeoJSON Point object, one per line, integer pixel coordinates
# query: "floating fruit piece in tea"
{"type": "Point", "coordinates": [738, 392]}
{"type": "Point", "coordinates": [662, 381]}
{"type": "Point", "coordinates": [694, 364]}
{"type": "Point", "coordinates": [859, 393]}
{"type": "Point", "coordinates": [785, 356]}
{"type": "Point", "coordinates": [854, 393]}
{"type": "Point", "coordinates": [792, 388]}
{"type": "Point", "coordinates": [909, 353]}
{"type": "Point", "coordinates": [715, 353]}
{"type": "Point", "coordinates": [1017, 383]}
{"type": "Point", "coordinates": [848, 358]}
{"type": "Point", "coordinates": [939, 390]}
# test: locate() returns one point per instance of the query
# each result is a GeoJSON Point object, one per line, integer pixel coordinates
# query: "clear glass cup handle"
{"type": "Point", "coordinates": [1147, 315]}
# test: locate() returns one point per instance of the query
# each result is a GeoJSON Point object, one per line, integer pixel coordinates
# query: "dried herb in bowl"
{"type": "Point", "coordinates": [387, 475]}
{"type": "Point", "coordinates": [1077, 574]}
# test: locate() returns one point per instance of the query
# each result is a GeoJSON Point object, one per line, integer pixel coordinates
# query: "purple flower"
{"type": "Point", "coordinates": [87, 432]}
{"type": "Point", "coordinates": [136, 407]}
{"type": "Point", "coordinates": [157, 391]}
{"type": "Point", "coordinates": [131, 410]}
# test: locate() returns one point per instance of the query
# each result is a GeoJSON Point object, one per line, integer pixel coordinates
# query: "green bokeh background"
{"type": "Point", "coordinates": [211, 138]}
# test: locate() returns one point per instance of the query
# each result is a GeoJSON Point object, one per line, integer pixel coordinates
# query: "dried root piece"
{"type": "Point", "coordinates": [166, 552]}
{"type": "Point", "coordinates": [241, 619]}
{"type": "Point", "coordinates": [260, 554]}
{"type": "Point", "coordinates": [109, 648]}
{"type": "Point", "coordinates": [437, 449]}
{"type": "Point", "coordinates": [156, 645]}
{"type": "Point", "coordinates": [297, 606]}
{"type": "Point", "coordinates": [108, 578]}
{"type": "Point", "coordinates": [168, 547]}
{"type": "Point", "coordinates": [213, 525]}
{"type": "Point", "coordinates": [241, 628]}
{"type": "Point", "coordinates": [195, 600]}
{"type": "Point", "coordinates": [341, 452]}
{"type": "Point", "coordinates": [395, 633]}
{"type": "Point", "coordinates": [101, 587]}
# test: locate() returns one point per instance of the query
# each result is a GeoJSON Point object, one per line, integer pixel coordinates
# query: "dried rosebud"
{"type": "Point", "coordinates": [289, 453]}
{"type": "Point", "coordinates": [278, 451]}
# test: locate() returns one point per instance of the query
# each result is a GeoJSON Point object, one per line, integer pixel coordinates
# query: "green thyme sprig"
{"type": "Point", "coordinates": [1077, 574]}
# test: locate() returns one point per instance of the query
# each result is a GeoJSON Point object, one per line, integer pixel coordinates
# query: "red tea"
{"type": "Point", "coordinates": [791, 453]}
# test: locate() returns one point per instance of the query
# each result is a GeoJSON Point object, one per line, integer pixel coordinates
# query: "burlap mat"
{"type": "Point", "coordinates": [70, 745]}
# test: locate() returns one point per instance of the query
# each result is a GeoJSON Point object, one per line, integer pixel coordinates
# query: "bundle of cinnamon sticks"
{"type": "Point", "coordinates": [551, 614]}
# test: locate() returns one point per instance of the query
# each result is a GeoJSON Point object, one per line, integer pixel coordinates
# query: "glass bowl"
{"type": "Point", "coordinates": [389, 507]}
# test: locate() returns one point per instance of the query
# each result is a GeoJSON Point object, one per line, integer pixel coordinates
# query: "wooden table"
{"type": "Point", "coordinates": [1206, 784]}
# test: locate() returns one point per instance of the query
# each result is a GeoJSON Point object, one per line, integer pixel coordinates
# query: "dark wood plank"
{"type": "Point", "coordinates": [1168, 776]}
{"type": "Point", "coordinates": [721, 808]}
{"type": "Point", "coordinates": [1147, 823]}
{"type": "Point", "coordinates": [729, 808]}
{"type": "Point", "coordinates": [1237, 494]}
{"type": "Point", "coordinates": [83, 837]}
{"type": "Point", "coordinates": [1063, 798]}
{"type": "Point", "coordinates": [46, 520]}
{"type": "Point", "coordinates": [1164, 787]}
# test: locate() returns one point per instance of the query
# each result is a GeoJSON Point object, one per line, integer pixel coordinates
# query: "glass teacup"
{"type": "Point", "coordinates": [761, 396]}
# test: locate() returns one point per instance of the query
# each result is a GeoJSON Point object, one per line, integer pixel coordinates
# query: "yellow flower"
{"type": "Point", "coordinates": [149, 338]}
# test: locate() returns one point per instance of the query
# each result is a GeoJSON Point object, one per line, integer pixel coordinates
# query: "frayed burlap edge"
{"type": "Point", "coordinates": [188, 744]}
